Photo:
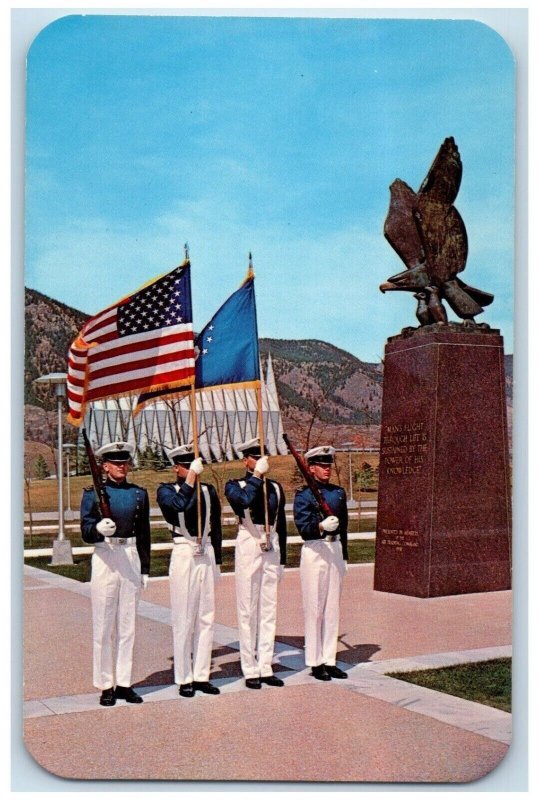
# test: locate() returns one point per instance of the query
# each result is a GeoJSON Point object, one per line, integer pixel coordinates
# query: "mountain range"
{"type": "Point", "coordinates": [324, 392]}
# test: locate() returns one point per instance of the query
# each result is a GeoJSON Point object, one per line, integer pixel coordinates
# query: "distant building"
{"type": "Point", "coordinates": [225, 417]}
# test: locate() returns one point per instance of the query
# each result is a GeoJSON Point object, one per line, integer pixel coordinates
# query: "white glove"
{"type": "Point", "coordinates": [262, 465]}
{"type": "Point", "coordinates": [329, 524]}
{"type": "Point", "coordinates": [144, 580]}
{"type": "Point", "coordinates": [196, 466]}
{"type": "Point", "coordinates": [106, 527]}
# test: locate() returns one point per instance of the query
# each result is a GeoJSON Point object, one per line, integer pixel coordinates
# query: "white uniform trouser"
{"type": "Point", "coordinates": [321, 570]}
{"type": "Point", "coordinates": [114, 589]}
{"type": "Point", "coordinates": [257, 575]}
{"type": "Point", "coordinates": [193, 609]}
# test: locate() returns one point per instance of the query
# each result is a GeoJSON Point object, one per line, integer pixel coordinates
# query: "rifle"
{"type": "Point", "coordinates": [99, 487]}
{"type": "Point", "coordinates": [310, 481]}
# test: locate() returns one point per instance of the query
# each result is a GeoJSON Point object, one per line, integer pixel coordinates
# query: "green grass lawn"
{"type": "Point", "coordinates": [42, 495]}
{"type": "Point", "coordinates": [488, 682]}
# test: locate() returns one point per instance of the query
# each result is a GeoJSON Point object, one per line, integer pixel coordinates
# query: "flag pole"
{"type": "Point", "coordinates": [262, 438]}
{"type": "Point", "coordinates": [194, 425]}
{"type": "Point", "coordinates": [263, 453]}
{"type": "Point", "coordinates": [192, 398]}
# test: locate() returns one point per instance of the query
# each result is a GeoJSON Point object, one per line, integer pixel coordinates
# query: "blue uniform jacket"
{"type": "Point", "coordinates": [252, 497]}
{"type": "Point", "coordinates": [130, 510]}
{"type": "Point", "coordinates": [307, 515]}
{"type": "Point", "coordinates": [172, 503]}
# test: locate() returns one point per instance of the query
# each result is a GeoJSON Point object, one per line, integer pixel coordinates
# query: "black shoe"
{"type": "Point", "coordinates": [320, 673]}
{"type": "Point", "coordinates": [126, 693]}
{"type": "Point", "coordinates": [271, 680]}
{"type": "Point", "coordinates": [187, 690]}
{"type": "Point", "coordinates": [253, 683]}
{"type": "Point", "coordinates": [108, 698]}
{"type": "Point", "coordinates": [205, 687]}
{"type": "Point", "coordinates": [335, 672]}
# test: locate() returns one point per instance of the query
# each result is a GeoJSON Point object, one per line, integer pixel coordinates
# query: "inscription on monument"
{"type": "Point", "coordinates": [403, 448]}
{"type": "Point", "coordinates": [399, 538]}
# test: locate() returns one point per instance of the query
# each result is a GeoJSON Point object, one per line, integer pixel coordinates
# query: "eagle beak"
{"type": "Point", "coordinates": [387, 286]}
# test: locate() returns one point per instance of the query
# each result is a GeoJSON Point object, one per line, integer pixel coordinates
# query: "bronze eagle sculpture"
{"type": "Point", "coordinates": [427, 232]}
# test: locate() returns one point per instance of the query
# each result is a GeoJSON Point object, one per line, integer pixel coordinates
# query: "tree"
{"type": "Point", "coordinates": [83, 467]}
{"type": "Point", "coordinates": [307, 419]}
{"type": "Point", "coordinates": [41, 469]}
{"type": "Point", "coordinates": [365, 477]}
{"type": "Point", "coordinates": [149, 459]}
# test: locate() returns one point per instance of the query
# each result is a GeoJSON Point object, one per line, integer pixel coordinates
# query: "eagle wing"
{"type": "Point", "coordinates": [440, 226]}
{"type": "Point", "coordinates": [399, 227]}
{"type": "Point", "coordinates": [442, 181]}
{"type": "Point", "coordinates": [444, 238]}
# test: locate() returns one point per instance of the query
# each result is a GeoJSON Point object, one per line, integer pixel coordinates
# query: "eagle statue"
{"type": "Point", "coordinates": [427, 232]}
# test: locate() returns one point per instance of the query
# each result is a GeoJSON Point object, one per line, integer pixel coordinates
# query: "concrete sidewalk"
{"type": "Point", "coordinates": [367, 728]}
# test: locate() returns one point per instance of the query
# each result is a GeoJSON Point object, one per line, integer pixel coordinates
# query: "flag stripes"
{"type": "Point", "coordinates": [144, 342]}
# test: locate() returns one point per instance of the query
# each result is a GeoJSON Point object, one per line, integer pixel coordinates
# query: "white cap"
{"type": "Point", "coordinates": [183, 454]}
{"type": "Point", "coordinates": [249, 448]}
{"type": "Point", "coordinates": [321, 455]}
{"type": "Point", "coordinates": [115, 451]}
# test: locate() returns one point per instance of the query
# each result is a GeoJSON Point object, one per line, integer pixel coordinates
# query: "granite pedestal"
{"type": "Point", "coordinates": [444, 508]}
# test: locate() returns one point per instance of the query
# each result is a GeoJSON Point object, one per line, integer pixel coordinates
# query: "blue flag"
{"type": "Point", "coordinates": [226, 350]}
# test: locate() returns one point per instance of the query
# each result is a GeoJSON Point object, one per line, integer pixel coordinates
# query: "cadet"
{"type": "Point", "coordinates": [322, 564]}
{"type": "Point", "coordinates": [192, 573]}
{"type": "Point", "coordinates": [120, 568]}
{"type": "Point", "coordinates": [257, 570]}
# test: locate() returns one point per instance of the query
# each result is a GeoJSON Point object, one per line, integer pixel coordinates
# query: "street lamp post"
{"type": "Point", "coordinates": [61, 546]}
{"type": "Point", "coordinates": [69, 513]}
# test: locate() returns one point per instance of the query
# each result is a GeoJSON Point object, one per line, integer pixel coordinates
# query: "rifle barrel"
{"type": "Point", "coordinates": [300, 461]}
{"type": "Point", "coordinates": [99, 488]}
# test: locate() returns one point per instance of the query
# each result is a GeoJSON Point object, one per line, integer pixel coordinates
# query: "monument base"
{"type": "Point", "coordinates": [444, 506]}
{"type": "Point", "coordinates": [61, 552]}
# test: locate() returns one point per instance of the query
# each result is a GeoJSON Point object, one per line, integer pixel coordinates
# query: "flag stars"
{"type": "Point", "coordinates": [157, 306]}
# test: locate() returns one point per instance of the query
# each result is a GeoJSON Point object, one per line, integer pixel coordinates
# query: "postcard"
{"type": "Point", "coordinates": [268, 432]}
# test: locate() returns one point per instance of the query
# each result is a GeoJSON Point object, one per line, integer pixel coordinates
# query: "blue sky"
{"type": "Point", "coordinates": [279, 136]}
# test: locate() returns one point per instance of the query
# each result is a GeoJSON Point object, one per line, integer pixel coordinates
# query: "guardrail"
{"type": "Point", "coordinates": [155, 511]}
{"type": "Point", "coordinates": [47, 521]}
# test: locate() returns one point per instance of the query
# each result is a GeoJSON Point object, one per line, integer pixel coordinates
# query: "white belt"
{"type": "Point", "coordinates": [261, 528]}
{"type": "Point", "coordinates": [118, 540]}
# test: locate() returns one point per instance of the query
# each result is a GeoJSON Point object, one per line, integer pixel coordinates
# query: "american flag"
{"type": "Point", "coordinates": [227, 347]}
{"type": "Point", "coordinates": [142, 343]}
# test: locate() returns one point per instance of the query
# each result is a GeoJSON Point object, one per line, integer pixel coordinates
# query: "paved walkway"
{"type": "Point", "coordinates": [368, 728]}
